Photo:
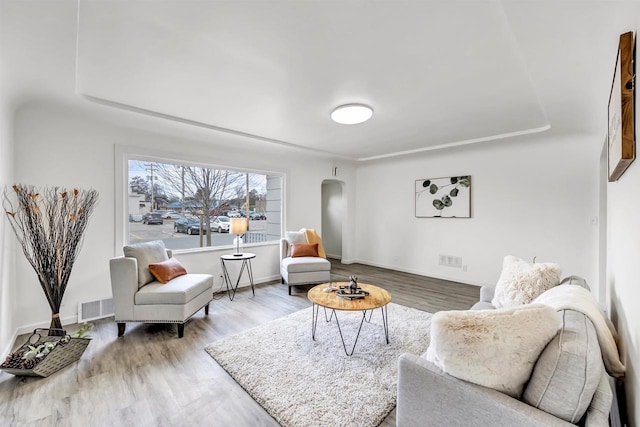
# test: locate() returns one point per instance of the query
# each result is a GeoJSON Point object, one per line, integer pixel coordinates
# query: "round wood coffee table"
{"type": "Point", "coordinates": [377, 298]}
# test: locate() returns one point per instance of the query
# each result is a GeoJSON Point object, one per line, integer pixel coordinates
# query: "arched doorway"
{"type": "Point", "coordinates": [333, 215]}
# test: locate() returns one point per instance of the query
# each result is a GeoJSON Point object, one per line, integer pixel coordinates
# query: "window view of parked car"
{"type": "Point", "coordinates": [189, 225]}
{"type": "Point", "coordinates": [152, 218]}
{"type": "Point", "coordinates": [171, 215]}
{"type": "Point", "coordinates": [257, 216]}
{"type": "Point", "coordinates": [220, 224]}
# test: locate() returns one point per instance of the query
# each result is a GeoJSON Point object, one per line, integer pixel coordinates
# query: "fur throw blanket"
{"type": "Point", "coordinates": [573, 297]}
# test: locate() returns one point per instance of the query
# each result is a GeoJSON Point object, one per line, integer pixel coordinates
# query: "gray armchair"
{"type": "Point", "coordinates": [138, 297]}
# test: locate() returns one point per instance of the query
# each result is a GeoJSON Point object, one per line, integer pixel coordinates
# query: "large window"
{"type": "Point", "coordinates": [190, 206]}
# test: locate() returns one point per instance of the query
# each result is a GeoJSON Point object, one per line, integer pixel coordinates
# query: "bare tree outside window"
{"type": "Point", "coordinates": [183, 192]}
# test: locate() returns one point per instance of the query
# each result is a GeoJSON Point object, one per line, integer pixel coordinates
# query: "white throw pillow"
{"type": "Point", "coordinates": [493, 348]}
{"type": "Point", "coordinates": [146, 253]}
{"type": "Point", "coordinates": [521, 282]}
{"type": "Point", "coordinates": [295, 237]}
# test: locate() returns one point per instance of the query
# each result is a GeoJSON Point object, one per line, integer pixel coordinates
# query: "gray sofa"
{"type": "Point", "coordinates": [568, 385]}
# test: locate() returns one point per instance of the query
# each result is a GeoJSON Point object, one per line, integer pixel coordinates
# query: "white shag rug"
{"type": "Point", "coordinates": [301, 382]}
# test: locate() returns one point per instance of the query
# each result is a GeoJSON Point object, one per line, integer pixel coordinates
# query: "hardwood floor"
{"type": "Point", "coordinates": [149, 377]}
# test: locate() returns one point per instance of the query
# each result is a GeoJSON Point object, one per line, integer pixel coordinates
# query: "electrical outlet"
{"type": "Point", "coordinates": [450, 261]}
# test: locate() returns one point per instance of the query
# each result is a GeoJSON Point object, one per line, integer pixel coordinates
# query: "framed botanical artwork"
{"type": "Point", "coordinates": [620, 134]}
{"type": "Point", "coordinates": [443, 197]}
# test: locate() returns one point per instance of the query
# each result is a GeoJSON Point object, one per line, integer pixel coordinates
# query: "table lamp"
{"type": "Point", "coordinates": [238, 227]}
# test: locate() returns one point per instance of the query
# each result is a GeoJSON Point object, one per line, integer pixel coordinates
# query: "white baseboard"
{"type": "Point", "coordinates": [27, 329]}
{"type": "Point", "coordinates": [418, 273]}
{"type": "Point", "coordinates": [256, 281]}
{"type": "Point", "coordinates": [9, 346]}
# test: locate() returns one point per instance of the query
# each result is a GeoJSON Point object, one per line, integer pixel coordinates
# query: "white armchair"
{"type": "Point", "coordinates": [138, 297]}
{"type": "Point", "coordinates": [304, 270]}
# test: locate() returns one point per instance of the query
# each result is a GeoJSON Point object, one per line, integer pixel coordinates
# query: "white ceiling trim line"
{"type": "Point", "coordinates": [177, 119]}
{"type": "Point", "coordinates": [285, 144]}
{"type": "Point", "coordinates": [458, 143]}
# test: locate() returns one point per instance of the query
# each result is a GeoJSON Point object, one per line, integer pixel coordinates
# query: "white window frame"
{"type": "Point", "coordinates": [122, 156]}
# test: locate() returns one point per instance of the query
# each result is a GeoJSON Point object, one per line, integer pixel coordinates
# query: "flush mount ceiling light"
{"type": "Point", "coordinates": [351, 114]}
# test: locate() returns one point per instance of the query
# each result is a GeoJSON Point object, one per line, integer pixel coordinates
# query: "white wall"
{"type": "Point", "coordinates": [332, 218]}
{"type": "Point", "coordinates": [623, 276]}
{"type": "Point", "coordinates": [623, 272]}
{"type": "Point", "coordinates": [60, 146]}
{"type": "Point", "coordinates": [532, 196]}
{"type": "Point", "coordinates": [7, 239]}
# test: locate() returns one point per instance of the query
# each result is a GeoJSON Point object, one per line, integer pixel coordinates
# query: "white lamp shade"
{"type": "Point", "coordinates": [238, 226]}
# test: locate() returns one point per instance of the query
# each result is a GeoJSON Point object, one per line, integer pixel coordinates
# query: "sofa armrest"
{"type": "Point", "coordinates": [486, 293]}
{"type": "Point", "coordinates": [429, 397]}
{"type": "Point", "coordinates": [124, 285]}
{"type": "Point", "coordinates": [284, 248]}
{"type": "Point", "coordinates": [575, 280]}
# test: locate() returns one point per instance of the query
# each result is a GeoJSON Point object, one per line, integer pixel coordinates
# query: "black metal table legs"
{"type": "Point", "coordinates": [231, 288]}
{"type": "Point", "coordinates": [314, 322]}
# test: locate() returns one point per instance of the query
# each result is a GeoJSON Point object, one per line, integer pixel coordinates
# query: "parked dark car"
{"type": "Point", "coordinates": [189, 225]}
{"type": "Point", "coordinates": [152, 218]}
{"type": "Point", "coordinates": [257, 215]}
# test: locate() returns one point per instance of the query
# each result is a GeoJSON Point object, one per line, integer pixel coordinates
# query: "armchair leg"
{"type": "Point", "coordinates": [180, 330]}
{"type": "Point", "coordinates": [121, 327]}
{"type": "Point", "coordinates": [289, 289]}
{"type": "Point", "coordinates": [206, 309]}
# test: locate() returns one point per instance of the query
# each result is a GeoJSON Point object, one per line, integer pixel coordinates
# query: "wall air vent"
{"type": "Point", "coordinates": [92, 310]}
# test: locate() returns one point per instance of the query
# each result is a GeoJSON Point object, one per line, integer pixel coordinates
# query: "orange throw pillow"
{"type": "Point", "coordinates": [304, 249]}
{"type": "Point", "coordinates": [167, 270]}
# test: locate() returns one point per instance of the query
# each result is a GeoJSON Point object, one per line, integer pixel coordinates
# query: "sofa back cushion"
{"type": "Point", "coordinates": [568, 370]}
{"type": "Point", "coordinates": [146, 253]}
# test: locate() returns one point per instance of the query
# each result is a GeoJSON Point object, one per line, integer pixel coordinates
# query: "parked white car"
{"type": "Point", "coordinates": [171, 215]}
{"type": "Point", "coordinates": [220, 224]}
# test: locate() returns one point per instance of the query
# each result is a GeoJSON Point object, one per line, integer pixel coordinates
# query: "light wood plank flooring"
{"type": "Point", "coordinates": [151, 378]}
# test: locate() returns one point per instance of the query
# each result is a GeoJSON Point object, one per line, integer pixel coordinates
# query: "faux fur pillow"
{"type": "Point", "coordinates": [493, 348]}
{"type": "Point", "coordinates": [521, 282]}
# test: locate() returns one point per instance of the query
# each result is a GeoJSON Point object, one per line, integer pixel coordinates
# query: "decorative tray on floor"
{"type": "Point", "coordinates": [63, 350]}
{"type": "Point", "coordinates": [345, 292]}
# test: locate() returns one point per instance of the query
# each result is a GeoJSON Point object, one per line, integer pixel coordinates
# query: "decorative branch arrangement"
{"type": "Point", "coordinates": [50, 225]}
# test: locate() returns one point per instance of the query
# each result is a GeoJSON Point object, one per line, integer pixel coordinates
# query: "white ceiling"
{"type": "Point", "coordinates": [437, 73]}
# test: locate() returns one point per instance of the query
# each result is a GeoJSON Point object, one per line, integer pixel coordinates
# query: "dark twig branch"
{"type": "Point", "coordinates": [50, 225]}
